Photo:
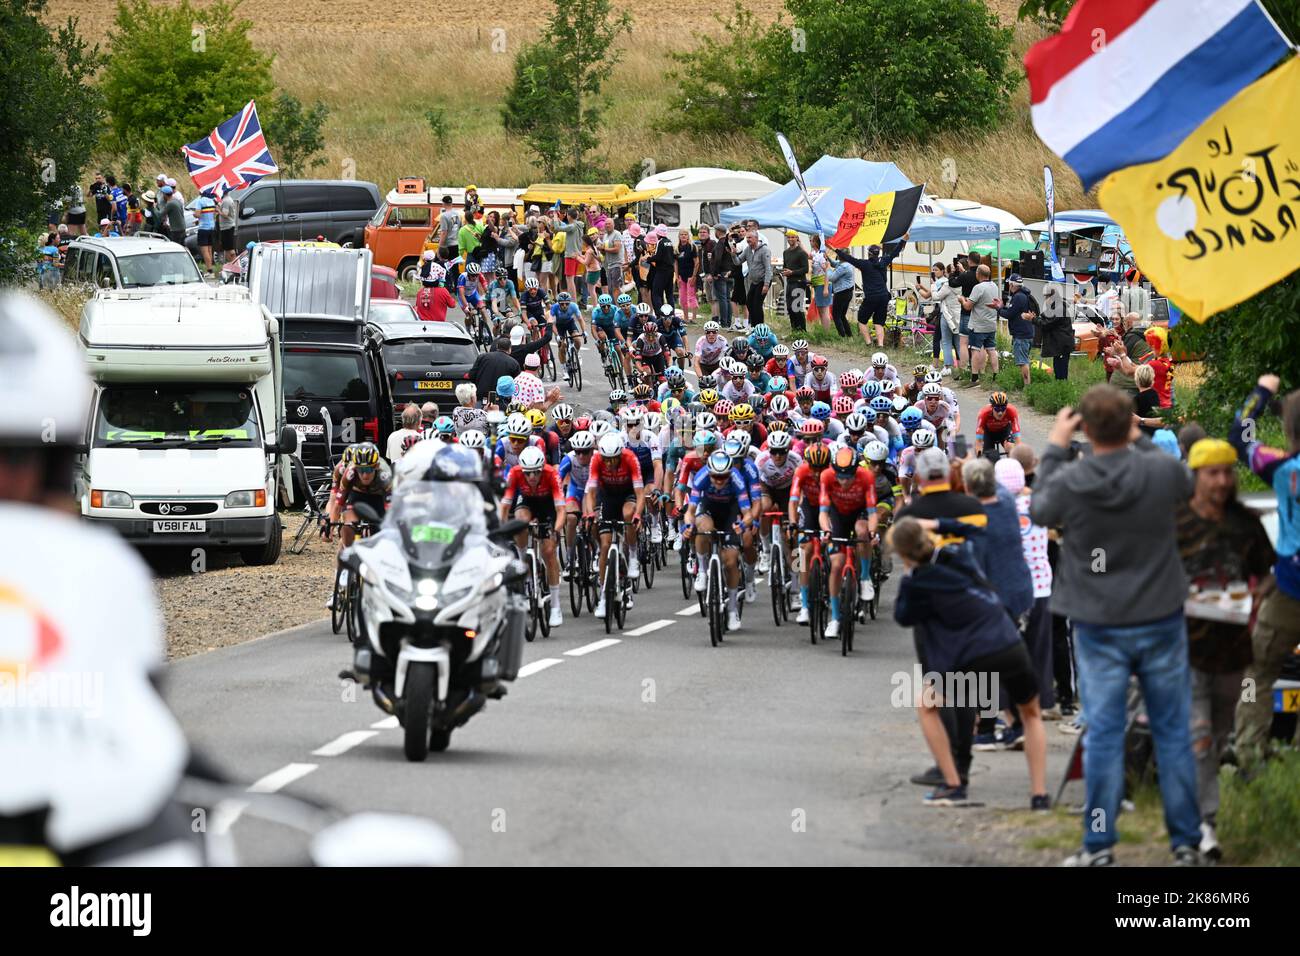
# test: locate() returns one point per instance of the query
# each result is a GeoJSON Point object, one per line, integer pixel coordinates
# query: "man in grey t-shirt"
{"type": "Point", "coordinates": [448, 231]}
{"type": "Point", "coordinates": [173, 214]}
{"type": "Point", "coordinates": [611, 247]}
{"type": "Point", "coordinates": [227, 211]}
{"type": "Point", "coordinates": [982, 305]}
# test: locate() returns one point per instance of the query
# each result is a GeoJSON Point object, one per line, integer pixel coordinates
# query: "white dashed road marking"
{"type": "Point", "coordinates": [593, 646]}
{"type": "Point", "coordinates": [534, 666]}
{"type": "Point", "coordinates": [345, 742]}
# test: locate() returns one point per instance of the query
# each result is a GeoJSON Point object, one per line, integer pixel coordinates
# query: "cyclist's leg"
{"type": "Point", "coordinates": [703, 523]}
{"type": "Point", "coordinates": [548, 555]}
{"type": "Point", "coordinates": [629, 509]}
{"type": "Point", "coordinates": [572, 510]}
{"type": "Point", "coordinates": [349, 530]}
{"type": "Point", "coordinates": [521, 539]}
{"type": "Point", "coordinates": [863, 532]}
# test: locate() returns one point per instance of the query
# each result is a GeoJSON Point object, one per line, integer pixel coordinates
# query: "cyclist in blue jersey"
{"type": "Point", "coordinates": [469, 292]}
{"type": "Point", "coordinates": [719, 501]}
{"type": "Point", "coordinates": [644, 443]}
{"type": "Point", "coordinates": [605, 327]}
{"type": "Point", "coordinates": [568, 325]}
{"type": "Point", "coordinates": [672, 326]}
{"type": "Point", "coordinates": [534, 302]}
{"type": "Point", "coordinates": [575, 468]}
{"type": "Point", "coordinates": [501, 294]}
{"type": "Point", "coordinates": [737, 446]}
{"type": "Point", "coordinates": [629, 321]}
{"type": "Point", "coordinates": [762, 340]}
{"type": "Point", "coordinates": [674, 386]}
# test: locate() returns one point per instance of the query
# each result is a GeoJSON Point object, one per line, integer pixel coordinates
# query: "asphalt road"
{"type": "Point", "coordinates": [651, 748]}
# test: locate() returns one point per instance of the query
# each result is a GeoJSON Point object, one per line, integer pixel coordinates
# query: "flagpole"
{"type": "Point", "coordinates": [1269, 17]}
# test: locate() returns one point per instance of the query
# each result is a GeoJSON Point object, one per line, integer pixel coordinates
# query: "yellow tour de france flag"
{"type": "Point", "coordinates": [1215, 221]}
{"type": "Point", "coordinates": [880, 218]}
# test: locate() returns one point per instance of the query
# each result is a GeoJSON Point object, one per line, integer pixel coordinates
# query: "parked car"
{"type": "Point", "coordinates": [391, 310]}
{"type": "Point", "coordinates": [271, 209]}
{"type": "Point", "coordinates": [383, 283]}
{"type": "Point", "coordinates": [131, 262]}
{"type": "Point", "coordinates": [422, 361]}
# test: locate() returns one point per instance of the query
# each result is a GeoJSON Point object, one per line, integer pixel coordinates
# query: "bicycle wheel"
{"type": "Point", "coordinates": [648, 561]}
{"type": "Point", "coordinates": [717, 618]}
{"type": "Point", "coordinates": [530, 592]}
{"type": "Point", "coordinates": [354, 608]}
{"type": "Point", "coordinates": [687, 580]}
{"type": "Point", "coordinates": [575, 367]}
{"type": "Point", "coordinates": [544, 607]}
{"type": "Point", "coordinates": [339, 609]}
{"type": "Point", "coordinates": [848, 610]}
{"type": "Point", "coordinates": [612, 593]}
{"type": "Point", "coordinates": [621, 606]}
{"type": "Point", "coordinates": [776, 583]}
{"type": "Point", "coordinates": [815, 622]}
{"type": "Point", "coordinates": [577, 576]}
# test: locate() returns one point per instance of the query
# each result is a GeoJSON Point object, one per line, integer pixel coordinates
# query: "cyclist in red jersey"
{"type": "Point", "coordinates": [533, 494]}
{"type": "Point", "coordinates": [997, 427]}
{"type": "Point", "coordinates": [615, 479]}
{"type": "Point", "coordinates": [848, 503]}
{"type": "Point", "coordinates": [805, 500]}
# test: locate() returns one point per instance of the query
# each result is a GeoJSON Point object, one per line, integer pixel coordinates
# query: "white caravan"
{"type": "Point", "coordinates": [185, 441]}
{"type": "Point", "coordinates": [698, 194]}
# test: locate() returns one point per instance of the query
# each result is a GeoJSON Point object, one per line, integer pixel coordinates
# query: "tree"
{"type": "Point", "coordinates": [554, 100]}
{"type": "Point", "coordinates": [174, 73]}
{"type": "Point", "coordinates": [295, 135]}
{"type": "Point", "coordinates": [51, 115]}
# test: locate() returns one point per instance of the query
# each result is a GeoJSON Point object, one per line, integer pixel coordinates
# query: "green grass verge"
{"type": "Point", "coordinates": [1259, 819]}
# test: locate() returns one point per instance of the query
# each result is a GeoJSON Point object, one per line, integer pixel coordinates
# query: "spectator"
{"type": "Point", "coordinates": [410, 429]}
{"type": "Point", "coordinates": [75, 217]}
{"type": "Point", "coordinates": [172, 219]}
{"type": "Point", "coordinates": [983, 325]}
{"type": "Point", "coordinates": [106, 229]}
{"type": "Point", "coordinates": [756, 261]}
{"type": "Point", "coordinates": [1120, 581]}
{"type": "Point", "coordinates": [739, 299]}
{"type": "Point", "coordinates": [1161, 363]}
{"type": "Point", "coordinates": [1020, 314]}
{"type": "Point", "coordinates": [227, 219]}
{"type": "Point", "coordinates": [965, 281]}
{"type": "Point", "coordinates": [491, 366]}
{"type": "Point", "coordinates": [663, 266]}
{"type": "Point", "coordinates": [467, 414]}
{"type": "Point", "coordinates": [1132, 351]}
{"type": "Point", "coordinates": [101, 192]}
{"type": "Point", "coordinates": [840, 278]}
{"type": "Point", "coordinates": [1037, 630]}
{"type": "Point", "coordinates": [612, 251]}
{"type": "Point", "coordinates": [820, 309]}
{"type": "Point", "coordinates": [1057, 332]}
{"type": "Point", "coordinates": [117, 203]}
{"type": "Point", "coordinates": [134, 217]}
{"type": "Point", "coordinates": [569, 224]}
{"type": "Point", "coordinates": [875, 287]}
{"type": "Point", "coordinates": [1147, 402]}
{"type": "Point", "coordinates": [687, 273]}
{"type": "Point", "coordinates": [433, 300]}
{"type": "Point", "coordinates": [722, 261]}
{"type": "Point", "coordinates": [1221, 541]}
{"type": "Point", "coordinates": [447, 232]}
{"type": "Point", "coordinates": [428, 412]}
{"type": "Point", "coordinates": [205, 209]}
{"type": "Point", "coordinates": [794, 267]}
{"type": "Point", "coordinates": [1189, 435]}
{"type": "Point", "coordinates": [947, 317]}
{"type": "Point", "coordinates": [468, 237]}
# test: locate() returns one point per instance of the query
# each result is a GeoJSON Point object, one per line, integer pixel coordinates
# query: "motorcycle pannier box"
{"type": "Point", "coordinates": [511, 654]}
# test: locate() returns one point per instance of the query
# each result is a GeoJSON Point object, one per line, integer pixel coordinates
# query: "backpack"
{"type": "Point", "coordinates": [1034, 307]}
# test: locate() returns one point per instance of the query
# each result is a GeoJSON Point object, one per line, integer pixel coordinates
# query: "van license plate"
{"type": "Point", "coordinates": [183, 526]}
{"type": "Point", "coordinates": [309, 429]}
{"type": "Point", "coordinates": [443, 383]}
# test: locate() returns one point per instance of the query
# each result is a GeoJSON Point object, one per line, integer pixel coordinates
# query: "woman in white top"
{"type": "Point", "coordinates": [945, 297]}
{"type": "Point", "coordinates": [820, 309]}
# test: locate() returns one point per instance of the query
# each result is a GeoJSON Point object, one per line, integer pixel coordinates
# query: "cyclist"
{"type": "Point", "coordinates": [518, 436]}
{"type": "Point", "coordinates": [912, 389]}
{"type": "Point", "coordinates": [569, 325]}
{"type": "Point", "coordinates": [469, 289]}
{"type": "Point", "coordinates": [876, 455]}
{"type": "Point", "coordinates": [501, 294]}
{"type": "Point", "coordinates": [672, 325]}
{"type": "Point", "coordinates": [629, 322]}
{"type": "Point", "coordinates": [821, 379]}
{"type": "Point", "coordinates": [848, 505]}
{"type": "Point", "coordinates": [560, 432]}
{"type": "Point", "coordinates": [617, 399]}
{"type": "Point", "coordinates": [821, 412]}
{"type": "Point", "coordinates": [615, 478]}
{"type": "Point", "coordinates": [367, 479]}
{"type": "Point", "coordinates": [719, 500]}
{"type": "Point", "coordinates": [533, 494]}
{"type": "Point", "coordinates": [649, 346]}
{"type": "Point", "coordinates": [779, 363]}
{"type": "Point", "coordinates": [804, 398]}
{"type": "Point", "coordinates": [935, 377]}
{"type": "Point", "coordinates": [737, 448]}
{"type": "Point", "coordinates": [997, 429]}
{"type": "Point", "coordinates": [550, 441]}
{"type": "Point", "coordinates": [881, 370]}
{"type": "Point", "coordinates": [776, 467]}
{"type": "Point", "coordinates": [704, 444]}
{"type": "Point", "coordinates": [742, 419]}
{"type": "Point", "coordinates": [708, 399]}
{"type": "Point", "coordinates": [757, 375]}
{"type": "Point", "coordinates": [922, 438]}
{"type": "Point", "coordinates": [850, 383]}
{"type": "Point", "coordinates": [645, 445]}
{"type": "Point", "coordinates": [857, 431]}
{"type": "Point", "coordinates": [739, 389]}
{"type": "Point", "coordinates": [805, 504]}
{"type": "Point", "coordinates": [709, 350]}
{"type": "Point", "coordinates": [533, 301]}
{"type": "Point", "coordinates": [799, 367]}
{"type": "Point", "coordinates": [605, 326]}
{"type": "Point", "coordinates": [674, 386]}
{"type": "Point", "coordinates": [933, 408]}
{"type": "Point", "coordinates": [762, 340]}
{"type": "Point", "coordinates": [643, 396]}
{"type": "Point", "coordinates": [573, 472]}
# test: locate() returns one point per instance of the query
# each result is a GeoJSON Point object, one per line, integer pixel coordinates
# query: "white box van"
{"type": "Point", "coordinates": [184, 437]}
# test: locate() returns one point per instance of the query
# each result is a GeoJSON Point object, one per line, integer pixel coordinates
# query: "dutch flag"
{"type": "Point", "coordinates": [1125, 81]}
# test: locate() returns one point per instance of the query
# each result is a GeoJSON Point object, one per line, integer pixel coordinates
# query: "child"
{"type": "Point", "coordinates": [961, 627]}
{"type": "Point", "coordinates": [1147, 401]}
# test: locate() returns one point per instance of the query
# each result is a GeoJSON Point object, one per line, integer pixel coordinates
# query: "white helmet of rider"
{"type": "Point", "coordinates": [857, 422]}
{"type": "Point", "coordinates": [42, 377]}
{"type": "Point", "coordinates": [779, 441]}
{"type": "Point", "coordinates": [931, 390]}
{"type": "Point", "coordinates": [778, 405]}
{"type": "Point", "coordinates": [582, 441]}
{"type": "Point", "coordinates": [532, 459]}
{"type": "Point", "coordinates": [654, 421]}
{"type": "Point", "coordinates": [612, 444]}
{"type": "Point", "coordinates": [879, 360]}
{"type": "Point", "coordinates": [876, 451]}
{"type": "Point", "coordinates": [799, 345]}
{"type": "Point", "coordinates": [562, 412]}
{"type": "Point", "coordinates": [888, 386]}
{"type": "Point", "coordinates": [922, 438]}
{"type": "Point", "coordinates": [706, 420]}
{"type": "Point", "coordinates": [934, 377]}
{"type": "Point", "coordinates": [900, 403]}
{"type": "Point", "coordinates": [631, 414]}
{"type": "Point", "coordinates": [666, 310]}
{"type": "Point", "coordinates": [742, 436]}
{"type": "Point", "coordinates": [712, 327]}
{"type": "Point", "coordinates": [643, 308]}
{"type": "Point", "coordinates": [601, 427]}
{"type": "Point", "coordinates": [531, 283]}
{"type": "Point", "coordinates": [473, 438]}
{"type": "Point", "coordinates": [517, 426]}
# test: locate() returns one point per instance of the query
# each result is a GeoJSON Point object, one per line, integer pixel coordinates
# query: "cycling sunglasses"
{"type": "Point", "coordinates": [365, 469]}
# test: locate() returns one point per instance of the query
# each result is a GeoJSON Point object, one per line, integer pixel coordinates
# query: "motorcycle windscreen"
{"type": "Point", "coordinates": [438, 521]}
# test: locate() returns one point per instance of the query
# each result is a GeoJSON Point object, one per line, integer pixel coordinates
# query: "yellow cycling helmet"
{"type": "Point", "coordinates": [779, 425]}
{"type": "Point", "coordinates": [709, 397]}
{"type": "Point", "coordinates": [349, 455]}
{"type": "Point", "coordinates": [365, 455]}
{"type": "Point", "coordinates": [742, 413]}
{"type": "Point", "coordinates": [536, 417]}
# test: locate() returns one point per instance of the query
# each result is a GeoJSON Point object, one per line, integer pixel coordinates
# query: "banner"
{"type": "Point", "coordinates": [232, 156]}
{"type": "Point", "coordinates": [797, 173]}
{"type": "Point", "coordinates": [1049, 187]}
{"type": "Point", "coordinates": [878, 219]}
{"type": "Point", "coordinates": [1218, 219]}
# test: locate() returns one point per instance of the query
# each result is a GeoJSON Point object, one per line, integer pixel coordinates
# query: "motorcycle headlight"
{"type": "Point", "coordinates": [426, 602]}
{"type": "Point", "coordinates": [426, 586]}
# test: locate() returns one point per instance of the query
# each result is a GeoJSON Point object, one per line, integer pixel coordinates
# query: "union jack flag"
{"type": "Point", "coordinates": [232, 156]}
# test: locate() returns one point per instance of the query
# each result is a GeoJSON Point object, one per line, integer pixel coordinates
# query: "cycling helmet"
{"type": "Point", "coordinates": [840, 405]}
{"type": "Point", "coordinates": [706, 420]}
{"type": "Point", "coordinates": [443, 425]}
{"type": "Point", "coordinates": [740, 343]}
{"type": "Point", "coordinates": [923, 438]}
{"type": "Point", "coordinates": [562, 412]}
{"type": "Point", "coordinates": [712, 327]}
{"type": "Point", "coordinates": [496, 418]}
{"type": "Point", "coordinates": [777, 385]}
{"type": "Point", "coordinates": [799, 345]}
{"type": "Point", "coordinates": [857, 422]}
{"type": "Point", "coordinates": [473, 269]}
{"type": "Point", "coordinates": [900, 403]}
{"type": "Point", "coordinates": [455, 463]}
{"type": "Point", "coordinates": [821, 411]}
{"type": "Point", "coordinates": [601, 427]}
{"type": "Point", "coordinates": [582, 441]}
{"type": "Point", "coordinates": [612, 444]}
{"type": "Point", "coordinates": [804, 394]}
{"type": "Point", "coordinates": [515, 406]}
{"type": "Point", "coordinates": [743, 412]}
{"type": "Point", "coordinates": [778, 405]}
{"type": "Point", "coordinates": [651, 328]}
{"type": "Point", "coordinates": [666, 310]}
{"type": "Point", "coordinates": [709, 397]}
{"type": "Point", "coordinates": [503, 272]}
{"type": "Point", "coordinates": [754, 363]}
{"type": "Point", "coordinates": [817, 457]}
{"type": "Point", "coordinates": [563, 297]}
{"type": "Point", "coordinates": [763, 331]}
{"type": "Point", "coordinates": [653, 421]}
{"type": "Point", "coordinates": [643, 308]}
{"type": "Point", "coordinates": [719, 463]}
{"type": "Point", "coordinates": [876, 451]}
{"type": "Point", "coordinates": [779, 425]}
{"type": "Point", "coordinates": [998, 399]}
{"type": "Point", "coordinates": [617, 395]}
{"type": "Point", "coordinates": [811, 428]}
{"type": "Point", "coordinates": [580, 424]}
{"type": "Point", "coordinates": [642, 391]}
{"type": "Point", "coordinates": [845, 462]}
{"type": "Point", "coordinates": [704, 437]}
{"type": "Point", "coordinates": [473, 438]}
{"type": "Point", "coordinates": [734, 447]}
{"type": "Point", "coordinates": [888, 387]}
{"type": "Point", "coordinates": [870, 389]}
{"type": "Point", "coordinates": [879, 360]}
{"type": "Point", "coordinates": [820, 361]}
{"type": "Point", "coordinates": [348, 454]}
{"type": "Point", "coordinates": [931, 390]}
{"type": "Point", "coordinates": [673, 374]}
{"type": "Point", "coordinates": [723, 408]}
{"type": "Point", "coordinates": [365, 455]}
{"type": "Point", "coordinates": [934, 376]}
{"type": "Point", "coordinates": [518, 426]}
{"type": "Point", "coordinates": [624, 299]}
{"type": "Point", "coordinates": [779, 441]}
{"type": "Point", "coordinates": [780, 351]}
{"type": "Point", "coordinates": [536, 417]}
{"type": "Point", "coordinates": [631, 415]}
{"type": "Point", "coordinates": [532, 459]}
{"type": "Point", "coordinates": [910, 418]}
{"type": "Point", "coordinates": [869, 414]}
{"type": "Point", "coordinates": [850, 380]}
{"type": "Point", "coordinates": [881, 405]}
{"type": "Point", "coordinates": [605, 301]}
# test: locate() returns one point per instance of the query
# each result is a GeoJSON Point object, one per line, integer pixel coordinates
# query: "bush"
{"type": "Point", "coordinates": [1259, 819]}
{"type": "Point", "coordinates": [176, 72]}
{"type": "Point", "coordinates": [295, 135]}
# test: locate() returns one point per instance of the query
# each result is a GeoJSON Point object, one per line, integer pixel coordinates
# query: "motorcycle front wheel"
{"type": "Point", "coordinates": [419, 704]}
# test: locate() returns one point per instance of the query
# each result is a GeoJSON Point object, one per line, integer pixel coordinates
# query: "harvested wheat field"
{"type": "Point", "coordinates": [379, 68]}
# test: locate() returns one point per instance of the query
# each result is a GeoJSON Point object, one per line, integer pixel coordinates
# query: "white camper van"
{"type": "Point", "coordinates": [697, 194]}
{"type": "Point", "coordinates": [184, 438]}
{"type": "Point", "coordinates": [918, 256]}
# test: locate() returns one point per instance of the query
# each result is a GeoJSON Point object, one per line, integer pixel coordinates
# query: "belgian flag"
{"type": "Point", "coordinates": [876, 220]}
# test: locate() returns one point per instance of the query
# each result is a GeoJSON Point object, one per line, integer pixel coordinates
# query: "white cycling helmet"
{"type": "Point", "coordinates": [901, 404]}
{"type": "Point", "coordinates": [631, 414]}
{"type": "Point", "coordinates": [742, 436]}
{"type": "Point", "coordinates": [612, 444]}
{"type": "Point", "coordinates": [879, 360]}
{"type": "Point", "coordinates": [600, 427]}
{"type": "Point", "coordinates": [712, 327]}
{"type": "Point", "coordinates": [778, 405]}
{"type": "Point", "coordinates": [532, 459]}
{"type": "Point", "coordinates": [888, 387]}
{"type": "Point", "coordinates": [923, 438]}
{"type": "Point", "coordinates": [654, 421]}
{"type": "Point", "coordinates": [934, 376]}
{"type": "Point", "coordinates": [531, 283]}
{"type": "Point", "coordinates": [799, 345]}
{"type": "Point", "coordinates": [517, 426]}
{"type": "Point", "coordinates": [42, 377]}
{"type": "Point", "coordinates": [876, 451]}
{"type": "Point", "coordinates": [706, 420]}
{"type": "Point", "coordinates": [931, 390]}
{"type": "Point", "coordinates": [643, 308]}
{"type": "Point", "coordinates": [666, 310]}
{"type": "Point", "coordinates": [779, 441]}
{"type": "Point", "coordinates": [562, 412]}
{"type": "Point", "coordinates": [856, 422]}
{"type": "Point", "coordinates": [582, 441]}
{"type": "Point", "coordinates": [473, 438]}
